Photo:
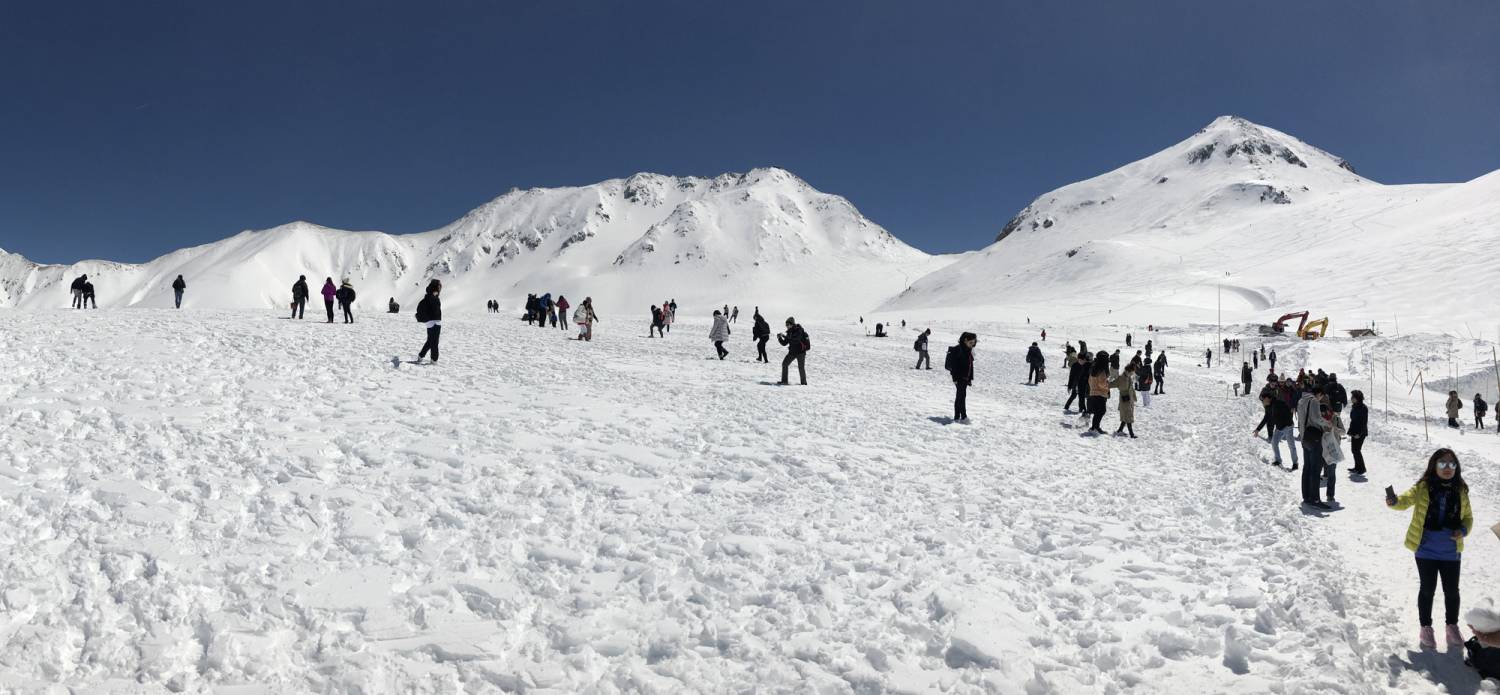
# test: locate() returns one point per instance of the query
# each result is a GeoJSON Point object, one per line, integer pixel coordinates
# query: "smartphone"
{"type": "Point", "coordinates": [1390, 493]}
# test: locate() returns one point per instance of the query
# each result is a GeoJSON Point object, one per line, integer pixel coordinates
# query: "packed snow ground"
{"type": "Point", "coordinates": [235, 502]}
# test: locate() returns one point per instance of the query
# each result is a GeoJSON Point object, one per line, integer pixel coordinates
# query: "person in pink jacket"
{"type": "Point", "coordinates": [329, 292]}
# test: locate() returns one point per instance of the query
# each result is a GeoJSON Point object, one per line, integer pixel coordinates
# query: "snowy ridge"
{"type": "Point", "coordinates": [764, 236]}
{"type": "Point", "coordinates": [1239, 214]}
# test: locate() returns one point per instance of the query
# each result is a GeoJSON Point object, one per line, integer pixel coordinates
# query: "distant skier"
{"type": "Point", "coordinates": [392, 307]}
{"type": "Point", "coordinates": [761, 332]}
{"type": "Point", "coordinates": [797, 344]}
{"type": "Point", "coordinates": [299, 296]}
{"type": "Point", "coordinates": [1245, 377]}
{"type": "Point", "coordinates": [1125, 384]}
{"type": "Point", "coordinates": [719, 333]}
{"type": "Point", "coordinates": [88, 294]}
{"type": "Point", "coordinates": [77, 289]}
{"type": "Point", "coordinates": [330, 293]}
{"type": "Point", "coordinates": [1440, 520]}
{"type": "Point", "coordinates": [585, 318]}
{"type": "Point", "coordinates": [1034, 362]}
{"type": "Point", "coordinates": [345, 295]}
{"type": "Point", "coordinates": [562, 311]}
{"type": "Point", "coordinates": [1160, 371]}
{"type": "Point", "coordinates": [178, 286]}
{"type": "Point", "coordinates": [1480, 408]}
{"type": "Point", "coordinates": [1455, 406]}
{"type": "Point", "coordinates": [430, 314]}
{"type": "Point", "coordinates": [921, 347]}
{"type": "Point", "coordinates": [658, 323]}
{"type": "Point", "coordinates": [960, 365]}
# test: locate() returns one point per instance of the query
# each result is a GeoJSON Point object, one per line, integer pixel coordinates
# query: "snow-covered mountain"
{"type": "Point", "coordinates": [1273, 222]}
{"type": "Point", "coordinates": [764, 237]}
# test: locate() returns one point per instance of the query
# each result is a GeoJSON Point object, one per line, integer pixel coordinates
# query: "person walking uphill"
{"type": "Point", "coordinates": [1034, 362]}
{"type": "Point", "coordinates": [719, 333]}
{"type": "Point", "coordinates": [921, 347]}
{"type": "Point", "coordinates": [658, 323]}
{"type": "Point", "coordinates": [178, 286]}
{"type": "Point", "coordinates": [330, 292]}
{"type": "Point", "coordinates": [1455, 406]}
{"type": "Point", "coordinates": [760, 332]}
{"type": "Point", "coordinates": [960, 365]}
{"type": "Point", "coordinates": [797, 344]}
{"type": "Point", "coordinates": [430, 314]}
{"type": "Point", "coordinates": [1440, 519]}
{"type": "Point", "coordinates": [299, 297]}
{"type": "Point", "coordinates": [345, 295]}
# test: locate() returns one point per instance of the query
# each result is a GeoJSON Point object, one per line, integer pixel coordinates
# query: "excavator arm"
{"type": "Point", "coordinates": [1280, 325]}
{"type": "Point", "coordinates": [1313, 330]}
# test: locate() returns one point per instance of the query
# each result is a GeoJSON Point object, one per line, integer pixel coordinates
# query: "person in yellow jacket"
{"type": "Point", "coordinates": [1440, 519]}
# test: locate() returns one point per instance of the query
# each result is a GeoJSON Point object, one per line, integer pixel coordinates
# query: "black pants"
{"type": "Point", "coordinates": [1031, 374]}
{"type": "Point", "coordinates": [1098, 405]}
{"type": "Point", "coordinates": [923, 356]}
{"type": "Point", "coordinates": [1247, 389]}
{"type": "Point", "coordinates": [1478, 422]}
{"type": "Point", "coordinates": [432, 343]}
{"type": "Point", "coordinates": [801, 359]}
{"type": "Point", "coordinates": [1312, 470]}
{"type": "Point", "coordinates": [718, 346]}
{"type": "Point", "coordinates": [1078, 394]}
{"type": "Point", "coordinates": [89, 300]}
{"type": "Point", "coordinates": [299, 307]}
{"type": "Point", "coordinates": [328, 305]}
{"type": "Point", "coordinates": [1355, 446]}
{"type": "Point", "coordinates": [1428, 572]}
{"type": "Point", "coordinates": [1453, 422]}
{"type": "Point", "coordinates": [177, 298]}
{"type": "Point", "coordinates": [1159, 382]}
{"type": "Point", "coordinates": [960, 407]}
{"type": "Point", "coordinates": [760, 349]}
{"type": "Point", "coordinates": [348, 313]}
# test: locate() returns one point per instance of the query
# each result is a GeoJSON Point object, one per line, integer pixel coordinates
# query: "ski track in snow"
{"type": "Point", "coordinates": [231, 502]}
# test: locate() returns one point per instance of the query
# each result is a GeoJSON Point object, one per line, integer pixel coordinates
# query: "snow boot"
{"type": "Point", "coordinates": [1426, 639]}
{"type": "Point", "coordinates": [1455, 638]}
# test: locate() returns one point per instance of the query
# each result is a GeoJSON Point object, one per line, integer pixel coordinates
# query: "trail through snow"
{"type": "Point", "coordinates": [227, 501]}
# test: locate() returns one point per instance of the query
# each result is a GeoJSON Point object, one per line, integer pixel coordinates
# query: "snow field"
{"type": "Point", "coordinates": [232, 502]}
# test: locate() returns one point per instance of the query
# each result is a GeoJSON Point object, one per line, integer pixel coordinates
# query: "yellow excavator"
{"type": "Point", "coordinates": [1306, 330]}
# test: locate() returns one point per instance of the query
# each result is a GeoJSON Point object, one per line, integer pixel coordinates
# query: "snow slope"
{"type": "Point", "coordinates": [190, 511]}
{"type": "Point", "coordinates": [1278, 224]}
{"type": "Point", "coordinates": [761, 237]}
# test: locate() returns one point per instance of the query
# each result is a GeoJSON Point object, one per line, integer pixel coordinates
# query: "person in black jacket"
{"type": "Point", "coordinates": [1160, 371]}
{"type": "Point", "coordinates": [1337, 396]}
{"type": "Point", "coordinates": [961, 367]}
{"type": "Point", "coordinates": [178, 286]}
{"type": "Point", "coordinates": [1078, 380]}
{"type": "Point", "coordinates": [1359, 428]}
{"type": "Point", "coordinates": [88, 295]}
{"type": "Point", "coordinates": [1034, 362]}
{"type": "Point", "coordinates": [795, 340]}
{"type": "Point", "coordinates": [760, 333]}
{"type": "Point", "coordinates": [1480, 408]}
{"type": "Point", "coordinates": [392, 307]}
{"type": "Point", "coordinates": [430, 313]}
{"type": "Point", "coordinates": [299, 296]}
{"type": "Point", "coordinates": [1245, 377]}
{"type": "Point", "coordinates": [1278, 421]}
{"type": "Point", "coordinates": [77, 289]}
{"type": "Point", "coordinates": [345, 295]}
{"type": "Point", "coordinates": [921, 347]}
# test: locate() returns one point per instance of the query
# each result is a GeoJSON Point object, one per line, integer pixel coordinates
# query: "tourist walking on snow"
{"type": "Point", "coordinates": [76, 288]}
{"type": "Point", "coordinates": [330, 293]}
{"type": "Point", "coordinates": [1125, 383]}
{"type": "Point", "coordinates": [1480, 408]}
{"type": "Point", "coordinates": [760, 332]}
{"type": "Point", "coordinates": [562, 312]}
{"type": "Point", "coordinates": [1278, 423]}
{"type": "Point", "coordinates": [430, 314]}
{"type": "Point", "coordinates": [1245, 377]}
{"type": "Point", "coordinates": [796, 342]}
{"type": "Point", "coordinates": [1313, 420]}
{"type": "Point", "coordinates": [1078, 383]}
{"type": "Point", "coordinates": [1455, 406]}
{"type": "Point", "coordinates": [1272, 359]}
{"type": "Point", "coordinates": [1098, 385]}
{"type": "Point", "coordinates": [178, 286]}
{"type": "Point", "coordinates": [719, 333]}
{"type": "Point", "coordinates": [1208, 357]}
{"type": "Point", "coordinates": [734, 316]}
{"type": "Point", "coordinates": [1359, 428]}
{"type": "Point", "coordinates": [921, 347]}
{"type": "Point", "coordinates": [1034, 362]}
{"type": "Point", "coordinates": [658, 323]}
{"type": "Point", "coordinates": [960, 365]}
{"type": "Point", "coordinates": [299, 296]}
{"type": "Point", "coordinates": [1160, 371]}
{"type": "Point", "coordinates": [585, 317]}
{"type": "Point", "coordinates": [88, 295]}
{"type": "Point", "coordinates": [1440, 520]}
{"type": "Point", "coordinates": [345, 295]}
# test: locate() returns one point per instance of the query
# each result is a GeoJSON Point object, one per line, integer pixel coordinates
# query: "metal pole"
{"type": "Point", "coordinates": [1423, 382]}
{"type": "Point", "coordinates": [1387, 364]}
{"type": "Point", "coordinates": [1496, 363]}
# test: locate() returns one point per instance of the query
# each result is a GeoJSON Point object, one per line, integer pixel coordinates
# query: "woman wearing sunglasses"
{"type": "Point", "coordinates": [1440, 519]}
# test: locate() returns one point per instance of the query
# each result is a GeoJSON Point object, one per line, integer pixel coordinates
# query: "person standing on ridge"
{"type": "Point", "coordinates": [88, 294]}
{"type": "Point", "coordinates": [921, 347]}
{"type": "Point", "coordinates": [1359, 428]}
{"type": "Point", "coordinates": [562, 312]}
{"type": "Point", "coordinates": [719, 333]}
{"type": "Point", "coordinates": [77, 289]}
{"type": "Point", "coordinates": [178, 286]}
{"type": "Point", "coordinates": [761, 332]}
{"type": "Point", "coordinates": [330, 293]}
{"type": "Point", "coordinates": [345, 295]}
{"type": "Point", "coordinates": [797, 344]}
{"type": "Point", "coordinates": [299, 296]}
{"type": "Point", "coordinates": [1034, 362]}
{"type": "Point", "coordinates": [1440, 520]}
{"type": "Point", "coordinates": [430, 314]}
{"type": "Point", "coordinates": [1480, 408]}
{"type": "Point", "coordinates": [1455, 406]}
{"type": "Point", "coordinates": [960, 365]}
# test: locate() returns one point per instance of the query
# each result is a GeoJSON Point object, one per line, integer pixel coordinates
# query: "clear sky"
{"type": "Point", "coordinates": [129, 129]}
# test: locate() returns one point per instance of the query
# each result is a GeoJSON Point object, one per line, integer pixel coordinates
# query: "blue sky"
{"type": "Point", "coordinates": [131, 129]}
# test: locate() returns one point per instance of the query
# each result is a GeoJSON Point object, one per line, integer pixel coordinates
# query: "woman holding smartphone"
{"type": "Point", "coordinates": [1440, 519]}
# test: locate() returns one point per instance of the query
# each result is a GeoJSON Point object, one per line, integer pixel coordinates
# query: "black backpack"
{"type": "Point", "coordinates": [917, 345]}
{"type": "Point", "coordinates": [951, 361]}
{"type": "Point", "coordinates": [1485, 660]}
